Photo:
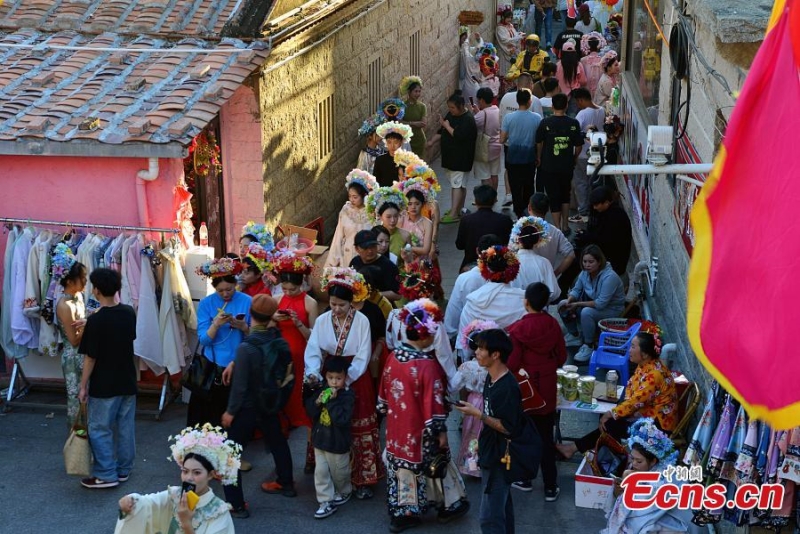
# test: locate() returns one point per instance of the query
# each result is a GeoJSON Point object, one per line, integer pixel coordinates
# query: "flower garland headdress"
{"type": "Point", "coordinates": [474, 327]}
{"type": "Point", "coordinates": [541, 230]}
{"type": "Point", "coordinates": [380, 196]}
{"type": "Point", "coordinates": [424, 171]}
{"type": "Point", "coordinates": [422, 315]}
{"type": "Point", "coordinates": [370, 124]}
{"type": "Point", "coordinates": [362, 178]}
{"type": "Point", "coordinates": [463, 30]}
{"type": "Point", "coordinates": [588, 37]}
{"type": "Point", "coordinates": [220, 267]}
{"type": "Point", "coordinates": [419, 184]}
{"type": "Point", "coordinates": [407, 158]}
{"type": "Point", "coordinates": [421, 279]}
{"type": "Point", "coordinates": [501, 255]}
{"type": "Point", "coordinates": [289, 262]}
{"type": "Point", "coordinates": [607, 58]}
{"type": "Point", "coordinates": [263, 260]}
{"type": "Point", "coordinates": [345, 277]}
{"type": "Point", "coordinates": [260, 232]}
{"type": "Point", "coordinates": [645, 432]}
{"type": "Point", "coordinates": [502, 9]}
{"type": "Point", "coordinates": [392, 109]}
{"type": "Point", "coordinates": [403, 130]}
{"type": "Point", "coordinates": [488, 65]}
{"type": "Point", "coordinates": [407, 82]}
{"type": "Point", "coordinates": [487, 49]}
{"type": "Point", "coordinates": [62, 261]}
{"type": "Point", "coordinates": [211, 443]}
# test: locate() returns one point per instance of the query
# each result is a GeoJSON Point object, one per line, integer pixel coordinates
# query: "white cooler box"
{"type": "Point", "coordinates": [592, 491]}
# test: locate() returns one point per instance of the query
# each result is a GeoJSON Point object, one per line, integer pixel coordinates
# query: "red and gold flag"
{"type": "Point", "coordinates": [744, 281]}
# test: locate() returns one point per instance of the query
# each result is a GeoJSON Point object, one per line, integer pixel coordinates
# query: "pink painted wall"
{"type": "Point", "coordinates": [82, 189]}
{"type": "Point", "coordinates": [240, 135]}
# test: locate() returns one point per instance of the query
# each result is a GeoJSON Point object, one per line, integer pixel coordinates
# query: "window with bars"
{"type": "Point", "coordinates": [325, 118]}
{"type": "Point", "coordinates": [413, 49]}
{"type": "Point", "coordinates": [374, 88]}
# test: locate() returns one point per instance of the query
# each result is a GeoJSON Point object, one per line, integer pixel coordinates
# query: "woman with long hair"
{"type": "Point", "coordinates": [608, 80]}
{"type": "Point", "coordinates": [570, 73]}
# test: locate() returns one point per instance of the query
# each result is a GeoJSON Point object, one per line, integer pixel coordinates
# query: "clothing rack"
{"type": "Point", "coordinates": [88, 225]}
{"type": "Point", "coordinates": [16, 391]}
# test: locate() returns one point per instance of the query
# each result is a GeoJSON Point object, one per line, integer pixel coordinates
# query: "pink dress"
{"type": "Point", "coordinates": [578, 81]}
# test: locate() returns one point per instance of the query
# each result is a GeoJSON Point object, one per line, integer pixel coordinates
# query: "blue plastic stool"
{"type": "Point", "coordinates": [613, 352]}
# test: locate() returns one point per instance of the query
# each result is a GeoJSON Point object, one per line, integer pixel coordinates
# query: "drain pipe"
{"type": "Point", "coordinates": [640, 273]}
{"type": "Point", "coordinates": [142, 177]}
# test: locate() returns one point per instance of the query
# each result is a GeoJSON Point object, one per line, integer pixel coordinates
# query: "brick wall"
{"type": "Point", "coordinates": [299, 186]}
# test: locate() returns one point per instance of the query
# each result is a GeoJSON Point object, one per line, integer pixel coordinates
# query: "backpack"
{"type": "Point", "coordinates": [277, 381]}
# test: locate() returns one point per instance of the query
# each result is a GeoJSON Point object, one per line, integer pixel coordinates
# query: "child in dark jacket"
{"type": "Point", "coordinates": [331, 409]}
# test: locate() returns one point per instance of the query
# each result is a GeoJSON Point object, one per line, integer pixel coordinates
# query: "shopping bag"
{"type": "Point", "coordinates": [77, 450]}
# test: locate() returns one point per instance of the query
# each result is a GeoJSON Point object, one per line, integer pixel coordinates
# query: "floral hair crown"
{"type": "Point", "coordinates": [588, 37]}
{"type": "Point", "coordinates": [370, 124]}
{"type": "Point", "coordinates": [488, 64]}
{"type": "Point", "coordinates": [422, 170]}
{"type": "Point", "coordinates": [645, 432]}
{"type": "Point", "coordinates": [462, 30]}
{"type": "Point", "coordinates": [502, 9]}
{"type": "Point", "coordinates": [608, 57]}
{"type": "Point", "coordinates": [362, 178]}
{"type": "Point", "coordinates": [346, 277]}
{"type": "Point", "coordinates": [289, 262]}
{"type": "Point", "coordinates": [422, 315]}
{"type": "Point", "coordinates": [407, 82]}
{"type": "Point", "coordinates": [62, 261]}
{"type": "Point", "coordinates": [421, 279]}
{"type": "Point", "coordinates": [220, 267]}
{"type": "Point", "coordinates": [260, 232]}
{"type": "Point", "coordinates": [380, 196]}
{"type": "Point", "coordinates": [541, 230]}
{"type": "Point", "coordinates": [492, 255]}
{"type": "Point", "coordinates": [260, 256]}
{"type": "Point", "coordinates": [211, 443]}
{"type": "Point", "coordinates": [406, 158]}
{"type": "Point", "coordinates": [474, 327]}
{"type": "Point", "coordinates": [487, 49]}
{"type": "Point", "coordinates": [403, 130]}
{"type": "Point", "coordinates": [392, 109]}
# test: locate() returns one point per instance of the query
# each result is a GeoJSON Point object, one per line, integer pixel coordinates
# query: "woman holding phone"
{"type": "Point", "coordinates": [296, 315]}
{"type": "Point", "coordinates": [223, 320]}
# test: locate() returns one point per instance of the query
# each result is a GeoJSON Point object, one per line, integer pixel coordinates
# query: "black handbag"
{"type": "Point", "coordinates": [437, 467]}
{"type": "Point", "coordinates": [200, 375]}
{"type": "Point", "coordinates": [523, 454]}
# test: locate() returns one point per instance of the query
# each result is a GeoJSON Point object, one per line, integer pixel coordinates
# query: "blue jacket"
{"type": "Point", "coordinates": [606, 290]}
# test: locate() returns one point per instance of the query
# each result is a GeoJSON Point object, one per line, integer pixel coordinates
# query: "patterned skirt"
{"type": "Point", "coordinates": [366, 467]}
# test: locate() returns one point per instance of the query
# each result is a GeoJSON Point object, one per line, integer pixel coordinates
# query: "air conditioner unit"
{"type": "Point", "coordinates": [659, 144]}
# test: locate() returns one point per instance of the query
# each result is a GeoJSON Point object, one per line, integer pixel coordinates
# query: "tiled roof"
{"type": "Point", "coordinates": [136, 97]}
{"type": "Point", "coordinates": [162, 18]}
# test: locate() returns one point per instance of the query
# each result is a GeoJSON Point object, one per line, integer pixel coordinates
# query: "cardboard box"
{"type": "Point", "coordinates": [592, 491]}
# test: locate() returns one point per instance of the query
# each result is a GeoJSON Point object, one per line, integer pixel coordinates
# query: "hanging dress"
{"type": "Point", "coordinates": [294, 409]}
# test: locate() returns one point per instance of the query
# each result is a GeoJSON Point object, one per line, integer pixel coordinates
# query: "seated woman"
{"type": "Point", "coordinates": [650, 450]}
{"type": "Point", "coordinates": [203, 454]}
{"type": "Point", "coordinates": [650, 392]}
{"type": "Point", "coordinates": [352, 218]}
{"type": "Point", "coordinates": [598, 293]}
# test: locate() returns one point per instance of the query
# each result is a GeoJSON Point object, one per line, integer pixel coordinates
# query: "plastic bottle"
{"type": "Point", "coordinates": [203, 235]}
{"type": "Point", "coordinates": [611, 384]}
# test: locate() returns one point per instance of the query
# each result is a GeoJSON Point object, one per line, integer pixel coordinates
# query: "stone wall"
{"type": "Point", "coordinates": [299, 185]}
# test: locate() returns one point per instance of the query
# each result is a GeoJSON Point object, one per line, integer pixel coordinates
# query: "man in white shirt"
{"type": "Point", "coordinates": [591, 118]}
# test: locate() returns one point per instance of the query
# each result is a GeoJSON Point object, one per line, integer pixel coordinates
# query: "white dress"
{"type": "Point", "coordinates": [176, 307]}
{"type": "Point", "coordinates": [22, 327]}
{"type": "Point", "coordinates": [323, 340]}
{"type": "Point", "coordinates": [351, 221]}
{"type": "Point", "coordinates": [156, 513]}
{"type": "Point", "coordinates": [534, 268]}
{"type": "Point", "coordinates": [494, 301]}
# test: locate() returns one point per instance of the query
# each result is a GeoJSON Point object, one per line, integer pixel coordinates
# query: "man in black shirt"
{"type": "Point", "coordinates": [609, 228]}
{"type": "Point", "coordinates": [502, 416]}
{"type": "Point", "coordinates": [484, 221]}
{"type": "Point", "coordinates": [559, 142]}
{"type": "Point", "coordinates": [569, 33]}
{"type": "Point", "coordinates": [366, 243]}
{"type": "Point", "coordinates": [109, 383]}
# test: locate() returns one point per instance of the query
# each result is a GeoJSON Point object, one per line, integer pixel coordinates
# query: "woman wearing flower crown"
{"type": "Point", "coordinates": [528, 235]}
{"type": "Point", "coordinates": [343, 331]}
{"type": "Point", "coordinates": [497, 300]}
{"type": "Point", "coordinates": [255, 268]}
{"type": "Point", "coordinates": [508, 38]}
{"type": "Point", "coordinates": [395, 135]}
{"type": "Point", "coordinates": [650, 450]}
{"type": "Point", "coordinates": [384, 206]}
{"type": "Point", "coordinates": [412, 395]}
{"type": "Point", "coordinates": [608, 81]}
{"type": "Point", "coordinates": [650, 392]}
{"type": "Point", "coordinates": [418, 193]}
{"type": "Point", "coordinates": [253, 232]}
{"type": "Point", "coordinates": [352, 218]}
{"type": "Point", "coordinates": [296, 315]}
{"type": "Point", "coordinates": [373, 146]}
{"type": "Point", "coordinates": [203, 454]}
{"type": "Point", "coordinates": [416, 111]}
{"type": "Point", "coordinates": [71, 319]}
{"type": "Point", "coordinates": [223, 320]}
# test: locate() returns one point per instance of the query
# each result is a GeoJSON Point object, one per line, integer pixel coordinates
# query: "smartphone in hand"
{"type": "Point", "coordinates": [240, 316]}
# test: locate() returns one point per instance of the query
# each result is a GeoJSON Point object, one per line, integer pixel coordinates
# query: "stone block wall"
{"type": "Point", "coordinates": [298, 184]}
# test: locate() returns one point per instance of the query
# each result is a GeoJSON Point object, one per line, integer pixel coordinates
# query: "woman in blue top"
{"type": "Point", "coordinates": [597, 294]}
{"type": "Point", "coordinates": [222, 323]}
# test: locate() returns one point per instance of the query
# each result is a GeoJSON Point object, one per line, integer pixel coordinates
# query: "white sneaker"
{"type": "Point", "coordinates": [326, 509]}
{"type": "Point", "coordinates": [583, 355]}
{"type": "Point", "coordinates": [573, 341]}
